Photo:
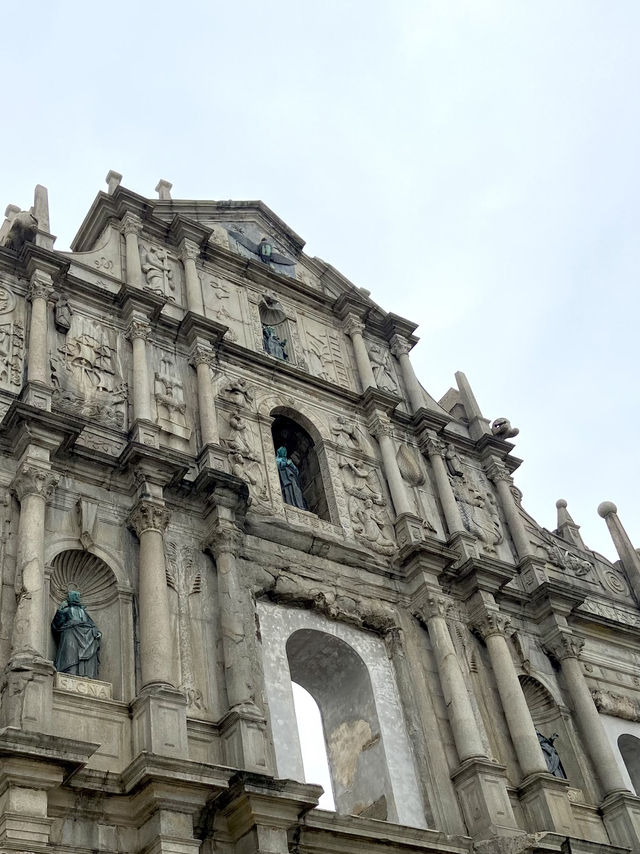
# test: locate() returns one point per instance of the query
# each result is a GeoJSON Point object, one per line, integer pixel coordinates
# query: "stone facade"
{"type": "Point", "coordinates": [478, 676]}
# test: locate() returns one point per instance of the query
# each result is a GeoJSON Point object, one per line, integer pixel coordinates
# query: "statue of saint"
{"type": "Point", "coordinates": [289, 480]}
{"type": "Point", "coordinates": [273, 345]}
{"type": "Point", "coordinates": [554, 766]}
{"type": "Point", "coordinates": [77, 637]}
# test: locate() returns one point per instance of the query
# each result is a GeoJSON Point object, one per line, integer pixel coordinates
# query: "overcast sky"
{"type": "Point", "coordinates": [473, 164]}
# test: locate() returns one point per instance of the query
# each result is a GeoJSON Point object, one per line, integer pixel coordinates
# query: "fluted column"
{"type": "Point", "coordinates": [499, 474]}
{"type": "Point", "coordinates": [203, 359]}
{"type": "Point", "coordinates": [461, 718]}
{"type": "Point", "coordinates": [34, 487]}
{"type": "Point", "coordinates": [190, 252]}
{"type": "Point", "coordinates": [435, 451]}
{"type": "Point", "coordinates": [566, 649]}
{"type": "Point", "coordinates": [628, 556]}
{"type": "Point", "coordinates": [492, 625]}
{"type": "Point", "coordinates": [138, 333]}
{"type": "Point", "coordinates": [400, 348]}
{"type": "Point", "coordinates": [131, 228]}
{"type": "Point", "coordinates": [381, 428]}
{"type": "Point", "coordinates": [225, 544]}
{"type": "Point", "coordinates": [354, 329]}
{"type": "Point", "coordinates": [149, 520]}
{"type": "Point", "coordinates": [40, 290]}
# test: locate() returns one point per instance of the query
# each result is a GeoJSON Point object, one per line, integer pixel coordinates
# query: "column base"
{"type": "Point", "coordinates": [243, 734]}
{"type": "Point", "coordinates": [145, 433]}
{"type": "Point", "coordinates": [621, 816]}
{"type": "Point", "coordinates": [410, 530]}
{"type": "Point", "coordinates": [481, 788]}
{"type": "Point", "coordinates": [546, 805]}
{"type": "Point", "coordinates": [159, 718]}
{"type": "Point", "coordinates": [38, 395]}
{"type": "Point", "coordinates": [213, 457]}
{"type": "Point", "coordinates": [27, 702]}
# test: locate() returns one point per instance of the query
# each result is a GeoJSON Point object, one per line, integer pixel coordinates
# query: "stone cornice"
{"type": "Point", "coordinates": [193, 326]}
{"type": "Point", "coordinates": [184, 229]}
{"type": "Point", "coordinates": [105, 208]}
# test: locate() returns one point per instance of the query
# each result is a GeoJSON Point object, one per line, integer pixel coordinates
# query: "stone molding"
{"type": "Point", "coordinates": [40, 286]}
{"type": "Point", "coordinates": [618, 705]}
{"type": "Point", "coordinates": [399, 346]}
{"type": "Point", "coordinates": [138, 329]}
{"type": "Point", "coordinates": [564, 645]}
{"type": "Point", "coordinates": [148, 516]}
{"type": "Point", "coordinates": [33, 480]}
{"type": "Point", "coordinates": [131, 224]}
{"type": "Point", "coordinates": [490, 623]}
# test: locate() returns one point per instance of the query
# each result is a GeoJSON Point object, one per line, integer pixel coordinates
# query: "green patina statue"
{"type": "Point", "coordinates": [289, 480]}
{"type": "Point", "coordinates": [77, 637]}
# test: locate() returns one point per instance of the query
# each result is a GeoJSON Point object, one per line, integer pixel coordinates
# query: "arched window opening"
{"type": "Point", "coordinates": [629, 747]}
{"type": "Point", "coordinates": [300, 450]}
{"type": "Point", "coordinates": [338, 680]}
{"type": "Point", "coordinates": [312, 744]}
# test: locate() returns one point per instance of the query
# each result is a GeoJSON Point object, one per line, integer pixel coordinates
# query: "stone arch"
{"type": "Point", "coordinates": [629, 747]}
{"type": "Point", "coordinates": [108, 599]}
{"type": "Point", "coordinates": [295, 642]}
{"type": "Point", "coordinates": [113, 561]}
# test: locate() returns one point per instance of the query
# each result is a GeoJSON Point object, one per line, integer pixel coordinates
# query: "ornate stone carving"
{"type": "Point", "coordinates": [100, 443]}
{"type": "Point", "coordinates": [189, 251]}
{"type": "Point", "coordinates": [148, 516]}
{"type": "Point", "coordinates": [138, 329]}
{"type": "Point", "coordinates": [131, 224]}
{"type": "Point", "coordinates": [479, 513]}
{"type": "Point", "coordinates": [7, 300]}
{"type": "Point", "coordinates": [170, 404]}
{"type": "Point", "coordinates": [610, 612]}
{"type": "Point", "coordinates": [79, 570]}
{"type": "Point", "coordinates": [225, 539]}
{"type": "Point", "coordinates": [238, 391]}
{"type": "Point", "coordinates": [434, 447]}
{"type": "Point", "coordinates": [346, 432]}
{"type": "Point", "coordinates": [184, 577]}
{"type": "Point", "coordinates": [32, 480]}
{"type": "Point", "coordinates": [434, 606]}
{"type": "Point", "coordinates": [361, 481]}
{"type": "Point", "coordinates": [453, 461]}
{"type": "Point", "coordinates": [564, 645]}
{"type": "Point", "coordinates": [400, 346]}
{"type": "Point", "coordinates": [11, 352]}
{"type": "Point", "coordinates": [409, 467]}
{"type": "Point", "coordinates": [491, 622]}
{"type": "Point", "coordinates": [352, 325]}
{"type": "Point", "coordinates": [318, 354]}
{"type": "Point", "coordinates": [154, 262]}
{"type": "Point", "coordinates": [369, 526]}
{"type": "Point", "coordinates": [244, 461]}
{"type": "Point", "coordinates": [40, 286]}
{"type": "Point", "coordinates": [564, 559]}
{"type": "Point", "coordinates": [202, 355]}
{"type": "Point", "coordinates": [498, 471]}
{"type": "Point", "coordinates": [627, 708]}
{"type": "Point", "coordinates": [62, 315]}
{"type": "Point", "coordinates": [381, 368]}
{"type": "Point", "coordinates": [380, 425]}
{"type": "Point", "coordinates": [502, 429]}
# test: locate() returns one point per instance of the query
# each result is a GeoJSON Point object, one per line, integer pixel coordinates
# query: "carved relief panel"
{"type": "Point", "coordinates": [246, 454]}
{"type": "Point", "coordinates": [12, 326]}
{"type": "Point", "coordinates": [383, 367]}
{"type": "Point", "coordinates": [169, 394]}
{"type": "Point", "coordinates": [226, 304]}
{"type": "Point", "coordinates": [323, 352]}
{"type": "Point", "coordinates": [87, 372]}
{"type": "Point", "coordinates": [162, 272]}
{"type": "Point", "coordinates": [419, 489]}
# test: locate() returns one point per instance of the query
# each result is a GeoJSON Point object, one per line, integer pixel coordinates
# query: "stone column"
{"type": "Point", "coordinates": [435, 451]}
{"type": "Point", "coordinates": [190, 252]}
{"type": "Point", "coordinates": [203, 359]}
{"type": "Point", "coordinates": [566, 649]}
{"type": "Point", "coordinates": [40, 290]}
{"type": "Point", "coordinates": [492, 625]}
{"type": "Point", "coordinates": [628, 556]}
{"type": "Point", "coordinates": [131, 228]}
{"type": "Point", "coordinates": [149, 520]}
{"type": "Point", "coordinates": [34, 487]}
{"type": "Point", "coordinates": [354, 329]}
{"type": "Point", "coordinates": [463, 723]}
{"type": "Point", "coordinates": [499, 474]}
{"type": "Point", "coordinates": [138, 333]}
{"type": "Point", "coordinates": [381, 428]}
{"type": "Point", "coordinates": [400, 348]}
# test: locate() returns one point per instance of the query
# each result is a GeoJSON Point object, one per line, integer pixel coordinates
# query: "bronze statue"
{"type": "Point", "coordinates": [77, 637]}
{"type": "Point", "coordinates": [289, 480]}
{"type": "Point", "coordinates": [554, 765]}
{"type": "Point", "coordinates": [273, 345]}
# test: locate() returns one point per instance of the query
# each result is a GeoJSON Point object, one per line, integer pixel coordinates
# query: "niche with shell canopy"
{"type": "Point", "coordinates": [109, 606]}
{"type": "Point", "coordinates": [276, 330]}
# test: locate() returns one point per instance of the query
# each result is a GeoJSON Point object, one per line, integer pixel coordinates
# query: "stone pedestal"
{"type": "Point", "coordinates": [546, 804]}
{"type": "Point", "coordinates": [213, 457]}
{"type": "Point", "coordinates": [159, 722]}
{"type": "Point", "coordinates": [37, 394]}
{"type": "Point", "coordinates": [621, 816]}
{"type": "Point", "coordinates": [24, 822]}
{"type": "Point", "coordinates": [481, 788]}
{"type": "Point", "coordinates": [145, 433]}
{"type": "Point", "coordinates": [27, 702]}
{"type": "Point", "coordinates": [243, 735]}
{"type": "Point", "coordinates": [409, 530]}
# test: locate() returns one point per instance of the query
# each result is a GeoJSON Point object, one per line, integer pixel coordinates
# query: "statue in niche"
{"type": "Point", "coordinates": [273, 345]}
{"type": "Point", "coordinates": [62, 315]}
{"type": "Point", "coordinates": [368, 524]}
{"type": "Point", "coordinates": [77, 638]}
{"type": "Point", "coordinates": [157, 272]}
{"type": "Point", "coordinates": [381, 369]}
{"type": "Point", "coordinates": [453, 462]}
{"type": "Point", "coordinates": [554, 765]}
{"type": "Point", "coordinates": [289, 480]}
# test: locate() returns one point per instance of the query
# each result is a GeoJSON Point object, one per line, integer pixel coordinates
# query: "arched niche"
{"type": "Point", "coordinates": [549, 720]}
{"type": "Point", "coordinates": [360, 694]}
{"type": "Point", "coordinates": [629, 747]}
{"type": "Point", "coordinates": [276, 330]}
{"type": "Point", "coordinates": [338, 680]}
{"type": "Point", "coordinates": [291, 430]}
{"type": "Point", "coordinates": [108, 604]}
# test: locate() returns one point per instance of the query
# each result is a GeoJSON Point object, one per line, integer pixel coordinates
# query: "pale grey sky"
{"type": "Point", "coordinates": [474, 164]}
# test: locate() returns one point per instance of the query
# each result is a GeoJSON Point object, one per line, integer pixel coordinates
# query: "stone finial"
{"type": "Point", "coordinates": [163, 190]}
{"type": "Point", "coordinates": [566, 527]}
{"type": "Point", "coordinates": [478, 424]}
{"type": "Point", "coordinates": [113, 180]}
{"type": "Point", "coordinates": [11, 211]}
{"type": "Point", "coordinates": [629, 557]}
{"type": "Point", "coordinates": [606, 508]}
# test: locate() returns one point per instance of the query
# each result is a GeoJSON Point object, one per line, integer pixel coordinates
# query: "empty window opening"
{"type": "Point", "coordinates": [312, 744]}
{"type": "Point", "coordinates": [301, 451]}
{"type": "Point", "coordinates": [629, 747]}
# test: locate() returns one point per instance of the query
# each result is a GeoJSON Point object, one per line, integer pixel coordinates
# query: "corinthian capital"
{"type": "Point", "coordinates": [399, 346]}
{"type": "Point", "coordinates": [32, 480]}
{"type": "Point", "coordinates": [189, 251]}
{"type": "Point", "coordinates": [138, 328]}
{"type": "Point", "coordinates": [434, 606]}
{"type": "Point", "coordinates": [201, 355]}
{"type": "Point", "coordinates": [40, 286]}
{"type": "Point", "coordinates": [131, 224]}
{"type": "Point", "coordinates": [498, 471]}
{"type": "Point", "coordinates": [148, 516]}
{"type": "Point", "coordinates": [379, 426]}
{"type": "Point", "coordinates": [352, 325]}
{"type": "Point", "coordinates": [564, 645]}
{"type": "Point", "coordinates": [491, 622]}
{"type": "Point", "coordinates": [225, 539]}
{"type": "Point", "coordinates": [433, 446]}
